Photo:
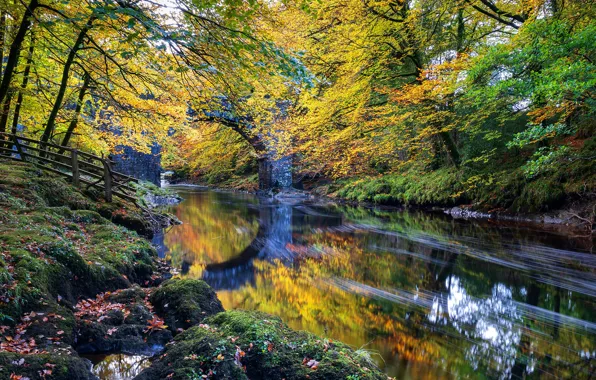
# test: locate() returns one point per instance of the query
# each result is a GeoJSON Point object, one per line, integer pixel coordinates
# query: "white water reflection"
{"type": "Point", "coordinates": [495, 321]}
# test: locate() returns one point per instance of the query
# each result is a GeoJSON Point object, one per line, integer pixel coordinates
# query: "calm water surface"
{"type": "Point", "coordinates": [118, 366]}
{"type": "Point", "coordinates": [428, 296]}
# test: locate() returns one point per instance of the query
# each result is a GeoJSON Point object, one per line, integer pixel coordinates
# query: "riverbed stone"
{"type": "Point", "coordinates": [183, 303]}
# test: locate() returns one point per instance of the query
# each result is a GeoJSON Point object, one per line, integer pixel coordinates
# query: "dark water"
{"type": "Point", "coordinates": [427, 296]}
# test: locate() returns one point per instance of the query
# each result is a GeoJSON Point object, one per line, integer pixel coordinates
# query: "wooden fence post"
{"type": "Point", "coordinates": [107, 179]}
{"type": "Point", "coordinates": [74, 161]}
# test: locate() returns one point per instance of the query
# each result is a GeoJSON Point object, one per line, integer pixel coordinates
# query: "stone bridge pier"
{"type": "Point", "coordinates": [275, 173]}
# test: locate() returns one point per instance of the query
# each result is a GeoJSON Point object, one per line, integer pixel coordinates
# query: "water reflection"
{"type": "Point", "coordinates": [432, 297]}
{"type": "Point", "coordinates": [118, 366]}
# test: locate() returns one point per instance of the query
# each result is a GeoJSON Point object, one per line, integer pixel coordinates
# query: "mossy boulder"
{"type": "Point", "coordinates": [99, 338]}
{"type": "Point", "coordinates": [57, 366]}
{"type": "Point", "coordinates": [128, 296]}
{"type": "Point", "coordinates": [121, 321]}
{"type": "Point", "coordinates": [132, 219]}
{"type": "Point", "coordinates": [50, 325]}
{"type": "Point", "coordinates": [183, 303]}
{"type": "Point", "coordinates": [254, 345]}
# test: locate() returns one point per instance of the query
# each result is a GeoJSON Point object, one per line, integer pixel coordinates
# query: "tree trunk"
{"type": "Point", "coordinates": [2, 33]}
{"type": "Point", "coordinates": [450, 147]}
{"type": "Point", "coordinates": [49, 129]}
{"type": "Point", "coordinates": [73, 122]}
{"type": "Point", "coordinates": [17, 108]}
{"type": "Point", "coordinates": [554, 7]}
{"type": "Point", "coordinates": [5, 112]}
{"type": "Point", "coordinates": [15, 49]}
{"type": "Point", "coordinates": [461, 32]}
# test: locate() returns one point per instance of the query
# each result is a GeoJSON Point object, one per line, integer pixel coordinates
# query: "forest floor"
{"type": "Point", "coordinates": [78, 277]}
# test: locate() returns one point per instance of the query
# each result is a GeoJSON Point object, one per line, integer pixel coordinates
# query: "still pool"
{"type": "Point", "coordinates": [428, 296]}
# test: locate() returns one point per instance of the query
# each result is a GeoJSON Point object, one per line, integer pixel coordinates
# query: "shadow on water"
{"type": "Point", "coordinates": [429, 296]}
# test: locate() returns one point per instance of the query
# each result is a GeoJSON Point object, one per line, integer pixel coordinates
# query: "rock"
{"type": "Point", "coordinates": [152, 200]}
{"type": "Point", "coordinates": [61, 366]}
{"type": "Point", "coordinates": [96, 338]}
{"type": "Point", "coordinates": [127, 296]}
{"type": "Point", "coordinates": [183, 303]}
{"type": "Point", "coordinates": [139, 315]}
{"type": "Point", "coordinates": [255, 345]}
{"type": "Point", "coordinates": [50, 326]}
{"type": "Point", "coordinates": [120, 322]}
{"type": "Point", "coordinates": [461, 213]}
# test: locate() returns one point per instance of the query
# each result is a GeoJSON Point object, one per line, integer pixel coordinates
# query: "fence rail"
{"type": "Point", "coordinates": [80, 167]}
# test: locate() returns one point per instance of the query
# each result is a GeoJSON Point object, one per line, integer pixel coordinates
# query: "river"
{"type": "Point", "coordinates": [425, 295]}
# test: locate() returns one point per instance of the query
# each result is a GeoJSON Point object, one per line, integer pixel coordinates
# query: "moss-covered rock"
{"type": "Point", "coordinates": [184, 302]}
{"type": "Point", "coordinates": [120, 322]}
{"type": "Point", "coordinates": [55, 244]}
{"type": "Point", "coordinates": [57, 366]}
{"type": "Point", "coordinates": [51, 325]}
{"type": "Point", "coordinates": [98, 338]}
{"type": "Point", "coordinates": [243, 345]}
{"type": "Point", "coordinates": [128, 296]}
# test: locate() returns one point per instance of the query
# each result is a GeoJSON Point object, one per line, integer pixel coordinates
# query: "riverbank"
{"type": "Point", "coordinates": [562, 195]}
{"type": "Point", "coordinates": [78, 278]}
{"type": "Point", "coordinates": [576, 216]}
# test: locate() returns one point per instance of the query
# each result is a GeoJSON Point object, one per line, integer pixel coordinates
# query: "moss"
{"type": "Point", "coordinates": [65, 254]}
{"type": "Point", "coordinates": [128, 296]}
{"type": "Point", "coordinates": [57, 192]}
{"type": "Point", "coordinates": [126, 217]}
{"type": "Point", "coordinates": [185, 302]}
{"type": "Point", "coordinates": [271, 351]}
{"type": "Point", "coordinates": [505, 188]}
{"type": "Point", "coordinates": [12, 202]}
{"type": "Point", "coordinates": [51, 321]}
{"type": "Point", "coordinates": [438, 187]}
{"type": "Point", "coordinates": [55, 243]}
{"type": "Point", "coordinates": [88, 216]}
{"type": "Point", "coordinates": [63, 366]}
{"type": "Point", "coordinates": [146, 188]}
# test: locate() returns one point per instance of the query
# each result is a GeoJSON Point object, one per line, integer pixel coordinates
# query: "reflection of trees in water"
{"type": "Point", "coordinates": [434, 296]}
{"type": "Point", "coordinates": [120, 366]}
{"type": "Point", "coordinates": [214, 230]}
{"type": "Point", "coordinates": [493, 322]}
{"type": "Point", "coordinates": [418, 312]}
{"type": "Point", "coordinates": [277, 224]}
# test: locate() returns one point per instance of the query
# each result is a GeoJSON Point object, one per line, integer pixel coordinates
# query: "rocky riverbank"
{"type": "Point", "coordinates": [77, 278]}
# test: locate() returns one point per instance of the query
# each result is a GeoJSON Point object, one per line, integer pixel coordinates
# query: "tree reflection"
{"type": "Point", "coordinates": [213, 230]}
{"type": "Point", "coordinates": [433, 297]}
{"type": "Point", "coordinates": [120, 366]}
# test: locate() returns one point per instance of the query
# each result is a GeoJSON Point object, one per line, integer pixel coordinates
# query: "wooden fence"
{"type": "Point", "coordinates": [80, 167]}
